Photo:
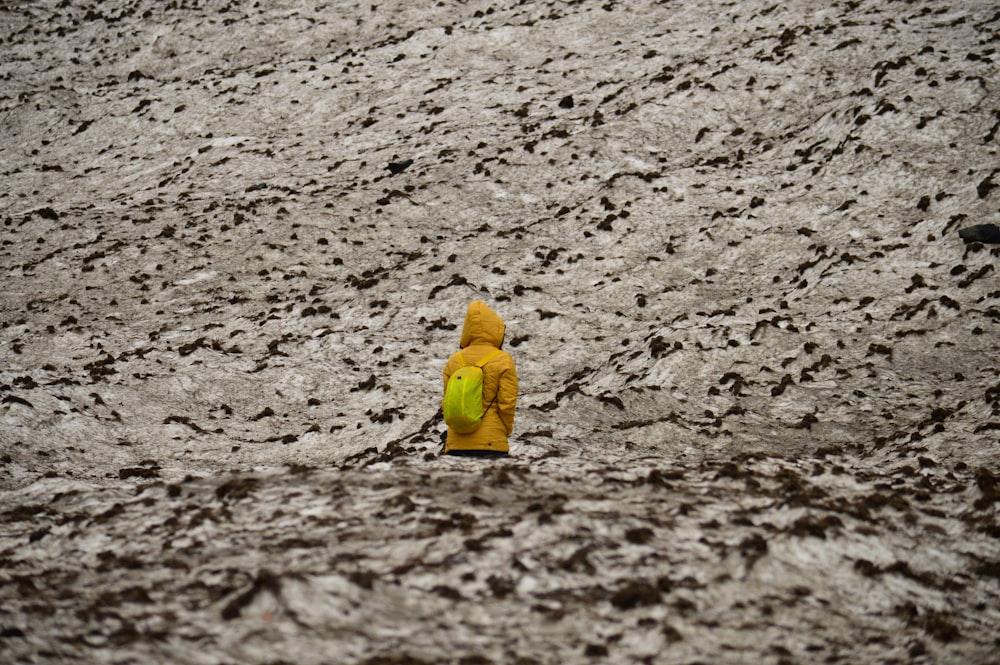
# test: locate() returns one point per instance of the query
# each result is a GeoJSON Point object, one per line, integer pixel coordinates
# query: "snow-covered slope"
{"type": "Point", "coordinates": [759, 413]}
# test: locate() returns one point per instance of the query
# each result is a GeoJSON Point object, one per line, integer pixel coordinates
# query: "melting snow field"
{"type": "Point", "coordinates": [760, 408]}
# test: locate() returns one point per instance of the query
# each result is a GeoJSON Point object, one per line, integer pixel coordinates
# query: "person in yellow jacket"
{"type": "Point", "coordinates": [482, 335]}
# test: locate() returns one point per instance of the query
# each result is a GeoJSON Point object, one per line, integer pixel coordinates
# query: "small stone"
{"type": "Point", "coordinates": [985, 233]}
{"type": "Point", "coordinates": [399, 167]}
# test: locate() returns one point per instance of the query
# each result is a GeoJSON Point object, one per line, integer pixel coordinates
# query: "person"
{"type": "Point", "coordinates": [483, 335]}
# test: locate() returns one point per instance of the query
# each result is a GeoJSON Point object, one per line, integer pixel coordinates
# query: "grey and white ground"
{"type": "Point", "coordinates": [760, 409]}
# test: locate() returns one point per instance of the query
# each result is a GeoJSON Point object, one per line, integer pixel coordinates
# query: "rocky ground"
{"type": "Point", "coordinates": [760, 409]}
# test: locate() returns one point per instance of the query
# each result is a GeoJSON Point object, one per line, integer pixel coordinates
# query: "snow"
{"type": "Point", "coordinates": [758, 418]}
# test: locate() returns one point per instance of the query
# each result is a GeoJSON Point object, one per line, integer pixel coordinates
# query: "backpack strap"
{"type": "Point", "coordinates": [485, 359]}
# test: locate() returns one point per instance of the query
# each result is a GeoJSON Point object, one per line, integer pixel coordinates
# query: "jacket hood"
{"type": "Point", "coordinates": [482, 326]}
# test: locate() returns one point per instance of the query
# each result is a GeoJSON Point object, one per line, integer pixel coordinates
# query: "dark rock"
{"type": "Point", "coordinates": [14, 399]}
{"type": "Point", "coordinates": [400, 166]}
{"type": "Point", "coordinates": [639, 535]}
{"type": "Point", "coordinates": [985, 233]}
{"type": "Point", "coordinates": [265, 581]}
{"type": "Point", "coordinates": [267, 412]}
{"type": "Point", "coordinates": [236, 488]}
{"type": "Point", "coordinates": [984, 188]}
{"type": "Point", "coordinates": [635, 593]}
{"type": "Point", "coordinates": [137, 472]}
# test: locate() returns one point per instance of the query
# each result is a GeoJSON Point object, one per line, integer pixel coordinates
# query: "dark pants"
{"type": "Point", "coordinates": [477, 453]}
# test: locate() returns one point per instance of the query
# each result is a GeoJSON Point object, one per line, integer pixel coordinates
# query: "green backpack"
{"type": "Point", "coordinates": [463, 398]}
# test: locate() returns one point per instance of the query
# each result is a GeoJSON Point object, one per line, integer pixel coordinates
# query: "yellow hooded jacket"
{"type": "Point", "coordinates": [482, 333]}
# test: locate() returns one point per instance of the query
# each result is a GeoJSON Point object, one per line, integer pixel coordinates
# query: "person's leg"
{"type": "Point", "coordinates": [477, 453]}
